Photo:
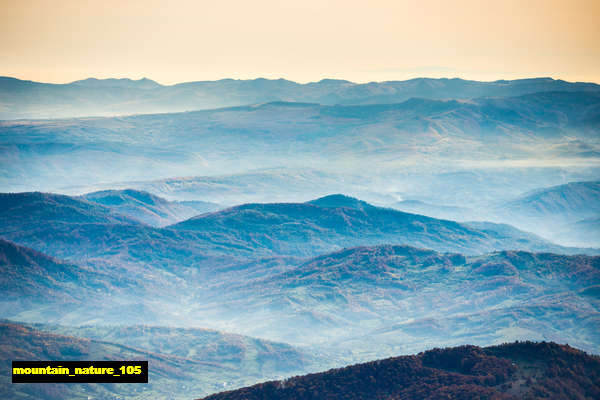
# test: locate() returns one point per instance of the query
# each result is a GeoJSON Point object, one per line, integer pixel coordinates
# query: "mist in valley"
{"type": "Point", "coordinates": [273, 238]}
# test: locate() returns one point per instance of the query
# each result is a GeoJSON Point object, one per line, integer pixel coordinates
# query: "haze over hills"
{"type": "Point", "coordinates": [95, 97]}
{"type": "Point", "coordinates": [168, 373]}
{"type": "Point", "coordinates": [434, 210]}
{"type": "Point", "coordinates": [462, 201]}
{"type": "Point", "coordinates": [541, 139]}
{"type": "Point", "coordinates": [210, 267]}
{"type": "Point", "coordinates": [575, 200]}
{"type": "Point", "coordinates": [256, 358]}
{"type": "Point", "coordinates": [406, 299]}
{"type": "Point", "coordinates": [585, 232]}
{"type": "Point", "coordinates": [565, 213]}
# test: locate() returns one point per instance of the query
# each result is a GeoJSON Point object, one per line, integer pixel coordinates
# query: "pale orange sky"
{"type": "Point", "coordinates": [176, 41]}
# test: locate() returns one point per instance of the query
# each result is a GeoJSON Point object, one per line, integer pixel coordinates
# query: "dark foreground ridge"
{"type": "Point", "coordinates": [520, 370]}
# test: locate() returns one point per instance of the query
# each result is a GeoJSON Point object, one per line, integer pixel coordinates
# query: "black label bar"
{"type": "Point", "coordinates": [80, 371]}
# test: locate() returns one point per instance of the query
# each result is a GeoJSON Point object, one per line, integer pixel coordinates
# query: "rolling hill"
{"type": "Point", "coordinates": [76, 229]}
{"type": "Point", "coordinates": [337, 221]}
{"type": "Point", "coordinates": [27, 210]}
{"type": "Point", "coordinates": [30, 276]}
{"type": "Point", "coordinates": [575, 200]}
{"type": "Point", "coordinates": [268, 270]}
{"type": "Point", "coordinates": [563, 213]}
{"type": "Point", "coordinates": [148, 208]}
{"type": "Point", "coordinates": [511, 371]}
{"type": "Point", "coordinates": [87, 233]}
{"type": "Point", "coordinates": [233, 362]}
{"type": "Point", "coordinates": [251, 357]}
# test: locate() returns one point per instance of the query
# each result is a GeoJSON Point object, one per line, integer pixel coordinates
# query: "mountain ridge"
{"type": "Point", "coordinates": [149, 208]}
{"type": "Point", "coordinates": [269, 225]}
{"type": "Point", "coordinates": [89, 97]}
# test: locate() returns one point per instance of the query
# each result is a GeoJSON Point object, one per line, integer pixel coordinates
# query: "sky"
{"type": "Point", "coordinates": [176, 41]}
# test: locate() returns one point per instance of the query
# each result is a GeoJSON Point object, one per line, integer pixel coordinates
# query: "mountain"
{"type": "Point", "coordinates": [509, 371]}
{"type": "Point", "coordinates": [573, 200]}
{"type": "Point", "coordinates": [93, 97]}
{"type": "Point", "coordinates": [87, 233]}
{"type": "Point", "coordinates": [35, 286]}
{"type": "Point", "coordinates": [27, 210]}
{"type": "Point", "coordinates": [340, 201]}
{"type": "Point", "coordinates": [143, 83]}
{"type": "Point", "coordinates": [30, 276]}
{"type": "Point", "coordinates": [563, 213]}
{"type": "Point", "coordinates": [585, 232]}
{"type": "Point", "coordinates": [148, 208]}
{"type": "Point", "coordinates": [207, 269]}
{"type": "Point", "coordinates": [305, 229]}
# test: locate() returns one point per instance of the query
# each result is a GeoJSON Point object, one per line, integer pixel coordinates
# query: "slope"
{"type": "Point", "coordinates": [377, 300]}
{"type": "Point", "coordinates": [28, 275]}
{"type": "Point", "coordinates": [575, 200]}
{"type": "Point", "coordinates": [148, 208]}
{"type": "Point", "coordinates": [334, 222]}
{"type": "Point", "coordinates": [166, 376]}
{"type": "Point", "coordinates": [252, 358]}
{"type": "Point", "coordinates": [510, 371]}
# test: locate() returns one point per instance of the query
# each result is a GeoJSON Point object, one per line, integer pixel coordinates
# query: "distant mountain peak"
{"type": "Point", "coordinates": [143, 83]}
{"type": "Point", "coordinates": [340, 200]}
{"type": "Point", "coordinates": [126, 96]}
{"type": "Point", "coordinates": [330, 81]}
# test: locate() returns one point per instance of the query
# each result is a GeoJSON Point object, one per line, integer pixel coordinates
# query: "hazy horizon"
{"type": "Point", "coordinates": [325, 78]}
{"type": "Point", "coordinates": [379, 41]}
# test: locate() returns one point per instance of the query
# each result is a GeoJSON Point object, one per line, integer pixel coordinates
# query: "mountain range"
{"type": "Point", "coordinates": [247, 231]}
{"type": "Point", "coordinates": [544, 133]}
{"type": "Point", "coordinates": [284, 264]}
{"type": "Point", "coordinates": [194, 225]}
{"type": "Point", "coordinates": [94, 97]}
{"type": "Point", "coordinates": [286, 272]}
